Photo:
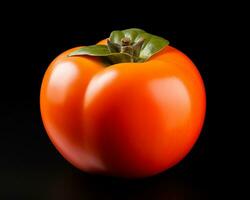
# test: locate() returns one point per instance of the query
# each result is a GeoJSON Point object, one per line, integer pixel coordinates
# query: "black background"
{"type": "Point", "coordinates": [33, 35]}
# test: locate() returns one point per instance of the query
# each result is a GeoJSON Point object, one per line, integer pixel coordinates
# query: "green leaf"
{"type": "Point", "coordinates": [139, 48]}
{"type": "Point", "coordinates": [151, 45]}
{"type": "Point", "coordinates": [102, 51]}
{"type": "Point", "coordinates": [116, 37]}
{"type": "Point", "coordinates": [113, 47]}
{"type": "Point", "coordinates": [94, 50]}
{"type": "Point", "coordinates": [131, 33]}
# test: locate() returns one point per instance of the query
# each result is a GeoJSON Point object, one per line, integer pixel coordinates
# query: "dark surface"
{"type": "Point", "coordinates": [31, 167]}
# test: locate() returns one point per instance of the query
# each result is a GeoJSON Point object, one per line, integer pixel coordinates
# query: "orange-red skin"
{"type": "Point", "coordinates": [129, 119]}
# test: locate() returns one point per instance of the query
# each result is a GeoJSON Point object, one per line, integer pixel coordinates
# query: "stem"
{"type": "Point", "coordinates": [125, 46]}
{"type": "Point", "coordinates": [125, 41]}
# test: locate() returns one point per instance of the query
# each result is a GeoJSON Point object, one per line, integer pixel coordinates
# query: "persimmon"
{"type": "Point", "coordinates": [130, 106]}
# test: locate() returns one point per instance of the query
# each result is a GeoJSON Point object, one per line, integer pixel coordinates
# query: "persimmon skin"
{"type": "Point", "coordinates": [61, 98]}
{"type": "Point", "coordinates": [129, 119]}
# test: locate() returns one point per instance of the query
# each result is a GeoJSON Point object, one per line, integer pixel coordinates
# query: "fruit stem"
{"type": "Point", "coordinates": [125, 46]}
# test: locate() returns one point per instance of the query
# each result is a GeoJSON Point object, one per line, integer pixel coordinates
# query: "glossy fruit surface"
{"type": "Point", "coordinates": [131, 119]}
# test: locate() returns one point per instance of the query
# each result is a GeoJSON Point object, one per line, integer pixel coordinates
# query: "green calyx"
{"type": "Point", "coordinates": [130, 45]}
